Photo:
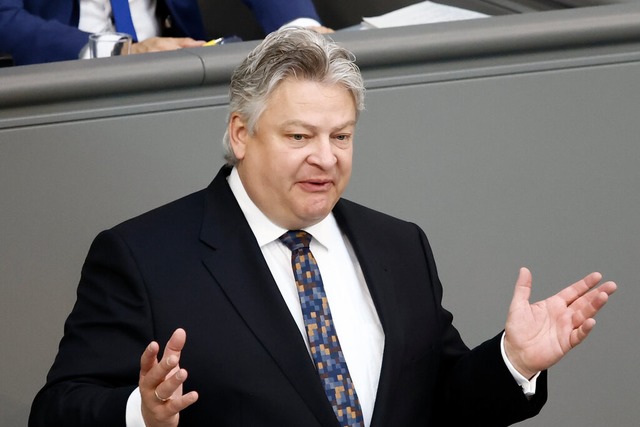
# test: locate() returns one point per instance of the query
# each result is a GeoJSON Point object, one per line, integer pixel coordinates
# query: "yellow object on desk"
{"type": "Point", "coordinates": [213, 42]}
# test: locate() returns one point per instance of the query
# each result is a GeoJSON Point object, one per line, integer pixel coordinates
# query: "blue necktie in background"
{"type": "Point", "coordinates": [122, 18]}
{"type": "Point", "coordinates": [323, 339]}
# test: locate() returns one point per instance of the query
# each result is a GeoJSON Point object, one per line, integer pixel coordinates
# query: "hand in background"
{"type": "Point", "coordinates": [159, 44]}
{"type": "Point", "coordinates": [321, 29]}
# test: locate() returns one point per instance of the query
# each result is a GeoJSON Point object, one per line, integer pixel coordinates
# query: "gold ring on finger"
{"type": "Point", "coordinates": [155, 391]}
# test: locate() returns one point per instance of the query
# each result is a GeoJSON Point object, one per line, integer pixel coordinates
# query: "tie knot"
{"type": "Point", "coordinates": [296, 239]}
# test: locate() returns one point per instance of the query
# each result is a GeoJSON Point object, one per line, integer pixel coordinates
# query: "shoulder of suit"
{"type": "Point", "coordinates": [351, 210]}
{"type": "Point", "coordinates": [180, 211]}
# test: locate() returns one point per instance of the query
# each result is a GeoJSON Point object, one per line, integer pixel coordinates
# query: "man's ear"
{"type": "Point", "coordinates": [238, 135]}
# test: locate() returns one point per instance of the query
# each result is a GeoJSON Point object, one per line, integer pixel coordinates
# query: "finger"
{"type": "Point", "coordinates": [149, 358]}
{"type": "Point", "coordinates": [576, 290]}
{"type": "Point", "coordinates": [167, 389]}
{"type": "Point", "coordinates": [322, 29]}
{"type": "Point", "coordinates": [175, 344]}
{"type": "Point", "coordinates": [155, 44]}
{"type": "Point", "coordinates": [146, 46]}
{"type": "Point", "coordinates": [579, 334]}
{"type": "Point", "coordinates": [161, 44]}
{"type": "Point", "coordinates": [157, 374]}
{"type": "Point", "coordinates": [171, 387]}
{"type": "Point", "coordinates": [589, 305]}
{"type": "Point", "coordinates": [156, 410]}
{"type": "Point", "coordinates": [180, 403]}
{"type": "Point", "coordinates": [169, 362]}
{"type": "Point", "coordinates": [522, 291]}
{"type": "Point", "coordinates": [177, 403]}
{"type": "Point", "coordinates": [189, 42]}
{"type": "Point", "coordinates": [137, 48]}
{"type": "Point", "coordinates": [172, 352]}
{"type": "Point", "coordinates": [608, 287]}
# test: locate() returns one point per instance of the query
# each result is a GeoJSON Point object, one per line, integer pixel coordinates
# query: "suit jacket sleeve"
{"type": "Point", "coordinates": [98, 361]}
{"type": "Point", "coordinates": [476, 387]}
{"type": "Point", "coordinates": [43, 31]}
{"type": "Point", "coordinates": [272, 14]}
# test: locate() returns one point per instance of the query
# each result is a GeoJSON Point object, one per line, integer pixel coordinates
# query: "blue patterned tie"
{"type": "Point", "coordinates": [323, 340]}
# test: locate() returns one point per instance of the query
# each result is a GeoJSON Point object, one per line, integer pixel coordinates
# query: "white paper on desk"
{"type": "Point", "coordinates": [425, 12]}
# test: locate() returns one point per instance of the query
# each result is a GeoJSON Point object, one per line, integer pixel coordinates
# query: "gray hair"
{"type": "Point", "coordinates": [288, 52]}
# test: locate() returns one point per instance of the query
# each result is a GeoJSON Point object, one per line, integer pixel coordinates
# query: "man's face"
{"type": "Point", "coordinates": [297, 163]}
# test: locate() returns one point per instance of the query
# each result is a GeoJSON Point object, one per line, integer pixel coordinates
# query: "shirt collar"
{"type": "Point", "coordinates": [325, 232]}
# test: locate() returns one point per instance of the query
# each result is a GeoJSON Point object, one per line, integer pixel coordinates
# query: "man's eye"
{"type": "Point", "coordinates": [297, 137]}
{"type": "Point", "coordinates": [342, 137]}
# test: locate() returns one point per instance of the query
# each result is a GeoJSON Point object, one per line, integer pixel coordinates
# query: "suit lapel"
{"type": "Point", "coordinates": [377, 275]}
{"type": "Point", "coordinates": [238, 267]}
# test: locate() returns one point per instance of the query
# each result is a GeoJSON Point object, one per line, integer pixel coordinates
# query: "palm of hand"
{"type": "Point", "coordinates": [538, 335]}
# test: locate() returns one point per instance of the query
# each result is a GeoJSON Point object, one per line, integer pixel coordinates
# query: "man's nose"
{"type": "Point", "coordinates": [322, 153]}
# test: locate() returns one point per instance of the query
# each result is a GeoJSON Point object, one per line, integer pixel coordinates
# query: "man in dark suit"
{"type": "Point", "coordinates": [217, 265]}
{"type": "Point", "coordinates": [37, 31]}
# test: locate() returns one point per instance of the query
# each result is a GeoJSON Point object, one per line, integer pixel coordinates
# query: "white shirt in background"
{"type": "Point", "coordinates": [95, 17]}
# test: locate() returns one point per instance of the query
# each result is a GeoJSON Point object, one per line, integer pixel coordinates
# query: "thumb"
{"type": "Point", "coordinates": [522, 291]}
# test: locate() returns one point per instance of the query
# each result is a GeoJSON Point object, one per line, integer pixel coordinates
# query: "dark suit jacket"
{"type": "Point", "coordinates": [36, 31]}
{"type": "Point", "coordinates": [195, 263]}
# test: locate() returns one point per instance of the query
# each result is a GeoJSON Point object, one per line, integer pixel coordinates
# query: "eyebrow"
{"type": "Point", "coordinates": [314, 128]}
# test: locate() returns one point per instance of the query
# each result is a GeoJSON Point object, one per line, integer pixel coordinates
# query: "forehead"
{"type": "Point", "coordinates": [303, 95]}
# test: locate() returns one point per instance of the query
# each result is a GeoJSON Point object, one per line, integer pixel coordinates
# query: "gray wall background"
{"type": "Point", "coordinates": [512, 142]}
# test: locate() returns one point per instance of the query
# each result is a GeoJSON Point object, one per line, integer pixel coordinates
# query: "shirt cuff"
{"type": "Point", "coordinates": [302, 22]}
{"type": "Point", "coordinates": [528, 385]}
{"type": "Point", "coordinates": [133, 414]}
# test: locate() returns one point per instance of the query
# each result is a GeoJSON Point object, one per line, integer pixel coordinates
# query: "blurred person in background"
{"type": "Point", "coordinates": [38, 31]}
